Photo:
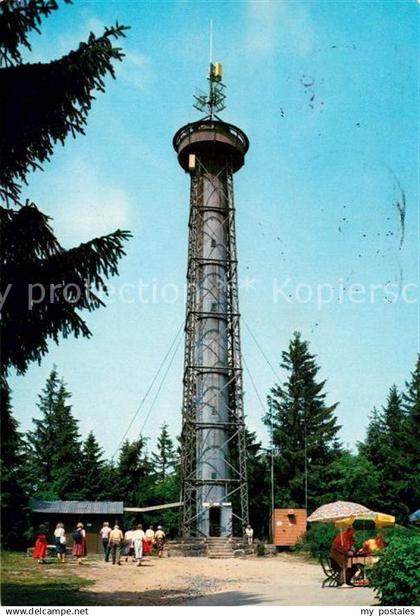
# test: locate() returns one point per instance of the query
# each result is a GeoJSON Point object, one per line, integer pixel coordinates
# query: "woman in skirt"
{"type": "Point", "coordinates": [40, 549]}
{"type": "Point", "coordinates": [79, 543]}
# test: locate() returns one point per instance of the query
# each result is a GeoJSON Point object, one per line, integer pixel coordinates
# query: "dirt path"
{"type": "Point", "coordinates": [282, 580]}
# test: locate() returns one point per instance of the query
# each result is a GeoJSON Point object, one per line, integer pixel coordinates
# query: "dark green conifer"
{"type": "Point", "coordinates": [14, 498]}
{"type": "Point", "coordinates": [164, 459]}
{"type": "Point", "coordinates": [55, 450]}
{"type": "Point", "coordinates": [94, 486]}
{"type": "Point", "coordinates": [304, 429]}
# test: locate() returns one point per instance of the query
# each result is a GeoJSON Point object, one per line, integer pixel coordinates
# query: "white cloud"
{"type": "Point", "coordinates": [89, 205]}
{"type": "Point", "coordinates": [279, 23]}
{"type": "Point", "coordinates": [136, 70]}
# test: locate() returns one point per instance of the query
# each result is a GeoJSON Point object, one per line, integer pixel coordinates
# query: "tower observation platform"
{"type": "Point", "coordinates": [211, 139]}
{"type": "Point", "coordinates": [213, 443]}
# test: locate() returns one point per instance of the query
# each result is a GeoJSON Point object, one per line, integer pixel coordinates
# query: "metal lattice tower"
{"type": "Point", "coordinates": [214, 478]}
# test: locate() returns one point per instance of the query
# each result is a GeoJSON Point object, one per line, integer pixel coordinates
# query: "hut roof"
{"type": "Point", "coordinates": [78, 507]}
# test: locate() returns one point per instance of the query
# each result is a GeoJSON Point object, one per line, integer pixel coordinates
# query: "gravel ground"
{"type": "Point", "coordinates": [285, 579]}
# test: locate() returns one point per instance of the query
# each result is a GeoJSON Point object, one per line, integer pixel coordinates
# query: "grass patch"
{"type": "Point", "coordinates": [24, 582]}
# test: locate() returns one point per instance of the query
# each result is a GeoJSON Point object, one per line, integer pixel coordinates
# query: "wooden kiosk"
{"type": "Point", "coordinates": [288, 526]}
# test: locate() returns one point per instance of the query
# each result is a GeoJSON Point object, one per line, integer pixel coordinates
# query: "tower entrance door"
{"type": "Point", "coordinates": [214, 521]}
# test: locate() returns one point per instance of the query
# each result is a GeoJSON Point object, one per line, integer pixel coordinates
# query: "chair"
{"type": "Point", "coordinates": [332, 574]}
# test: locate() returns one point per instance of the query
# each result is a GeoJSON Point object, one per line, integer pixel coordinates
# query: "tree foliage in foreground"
{"type": "Point", "coordinates": [44, 287]}
{"type": "Point", "coordinates": [396, 577]}
{"type": "Point", "coordinates": [14, 499]}
{"type": "Point", "coordinates": [45, 102]}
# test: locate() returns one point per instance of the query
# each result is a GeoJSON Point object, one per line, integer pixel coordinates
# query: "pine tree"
{"type": "Point", "coordinates": [411, 440]}
{"type": "Point", "coordinates": [304, 429]}
{"type": "Point", "coordinates": [162, 491]}
{"type": "Point", "coordinates": [385, 448]}
{"type": "Point", "coordinates": [94, 484]}
{"type": "Point", "coordinates": [14, 499]}
{"type": "Point", "coordinates": [55, 449]}
{"type": "Point", "coordinates": [165, 458]}
{"type": "Point", "coordinates": [353, 477]}
{"type": "Point", "coordinates": [45, 103]}
{"type": "Point", "coordinates": [396, 472]}
{"type": "Point", "coordinates": [374, 444]}
{"type": "Point", "coordinates": [134, 473]}
{"type": "Point", "coordinates": [41, 440]}
{"type": "Point", "coordinates": [259, 485]}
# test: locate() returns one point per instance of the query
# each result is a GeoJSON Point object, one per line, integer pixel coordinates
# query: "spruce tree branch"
{"type": "Point", "coordinates": [17, 19]}
{"type": "Point", "coordinates": [46, 286]}
{"type": "Point", "coordinates": [44, 103]}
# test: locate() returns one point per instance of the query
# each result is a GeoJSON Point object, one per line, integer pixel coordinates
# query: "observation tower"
{"type": "Point", "coordinates": [213, 444]}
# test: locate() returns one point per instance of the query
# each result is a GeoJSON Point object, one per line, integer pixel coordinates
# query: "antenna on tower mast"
{"type": "Point", "coordinates": [211, 42]}
{"type": "Point", "coordinates": [213, 102]}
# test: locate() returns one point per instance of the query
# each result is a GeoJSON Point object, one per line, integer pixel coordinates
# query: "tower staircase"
{"type": "Point", "coordinates": [212, 547]}
{"type": "Point", "coordinates": [219, 547]}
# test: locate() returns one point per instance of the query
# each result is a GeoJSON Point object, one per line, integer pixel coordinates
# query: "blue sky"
{"type": "Point", "coordinates": [326, 92]}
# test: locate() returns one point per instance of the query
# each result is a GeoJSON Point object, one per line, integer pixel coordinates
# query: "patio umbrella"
{"type": "Point", "coordinates": [414, 518]}
{"type": "Point", "coordinates": [331, 512]}
{"type": "Point", "coordinates": [367, 521]}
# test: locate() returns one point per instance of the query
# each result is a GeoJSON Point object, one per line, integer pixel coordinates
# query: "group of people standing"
{"type": "Point", "coordinates": [79, 549]}
{"type": "Point", "coordinates": [135, 542]}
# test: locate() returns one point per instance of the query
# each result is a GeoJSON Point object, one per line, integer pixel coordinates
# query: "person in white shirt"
{"type": "Point", "coordinates": [150, 537]}
{"type": "Point", "coordinates": [249, 532]}
{"type": "Point", "coordinates": [138, 538]}
{"type": "Point", "coordinates": [129, 545]}
{"type": "Point", "coordinates": [104, 535]}
{"type": "Point", "coordinates": [60, 542]}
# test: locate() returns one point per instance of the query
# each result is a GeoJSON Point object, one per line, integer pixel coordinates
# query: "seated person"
{"type": "Point", "coordinates": [370, 547]}
{"type": "Point", "coordinates": [344, 543]}
{"type": "Point", "coordinates": [374, 545]}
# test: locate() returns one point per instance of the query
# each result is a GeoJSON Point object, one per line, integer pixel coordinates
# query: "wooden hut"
{"type": "Point", "coordinates": [91, 513]}
{"type": "Point", "coordinates": [288, 526]}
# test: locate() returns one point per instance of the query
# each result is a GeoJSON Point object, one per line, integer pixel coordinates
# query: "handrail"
{"type": "Point", "coordinates": [205, 125]}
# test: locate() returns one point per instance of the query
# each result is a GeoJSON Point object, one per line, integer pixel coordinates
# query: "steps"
{"type": "Point", "coordinates": [219, 547]}
{"type": "Point", "coordinates": [212, 547]}
{"type": "Point", "coordinates": [188, 546]}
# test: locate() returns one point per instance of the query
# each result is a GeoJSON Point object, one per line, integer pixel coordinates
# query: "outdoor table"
{"type": "Point", "coordinates": [346, 562]}
{"type": "Point", "coordinates": [361, 560]}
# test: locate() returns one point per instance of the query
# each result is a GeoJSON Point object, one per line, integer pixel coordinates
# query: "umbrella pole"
{"type": "Point", "coordinates": [344, 584]}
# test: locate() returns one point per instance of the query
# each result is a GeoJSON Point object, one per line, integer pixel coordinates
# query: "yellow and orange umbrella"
{"type": "Point", "coordinates": [380, 520]}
